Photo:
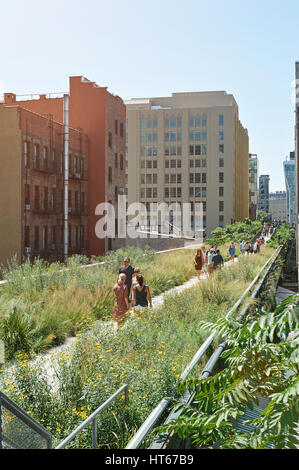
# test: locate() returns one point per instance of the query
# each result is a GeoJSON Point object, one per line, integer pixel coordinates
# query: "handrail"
{"type": "Point", "coordinates": [148, 424]}
{"type": "Point", "coordinates": [93, 418]}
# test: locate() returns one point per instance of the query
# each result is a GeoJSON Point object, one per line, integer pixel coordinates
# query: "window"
{"type": "Point", "coordinates": [179, 192]}
{"type": "Point", "coordinates": [148, 192]}
{"type": "Point", "coordinates": [221, 149]}
{"type": "Point", "coordinates": [204, 163]}
{"type": "Point", "coordinates": [36, 155]}
{"type": "Point", "coordinates": [197, 177]}
{"type": "Point", "coordinates": [203, 149]}
{"type": "Point", "coordinates": [148, 179]}
{"type": "Point", "coordinates": [197, 163]}
{"type": "Point", "coordinates": [221, 177]}
{"type": "Point", "coordinates": [179, 163]}
{"type": "Point", "coordinates": [154, 163]}
{"type": "Point", "coordinates": [179, 178]}
{"type": "Point", "coordinates": [142, 178]}
{"type": "Point", "coordinates": [121, 129]}
{"type": "Point", "coordinates": [203, 177]}
{"type": "Point", "coordinates": [172, 163]}
{"type": "Point", "coordinates": [116, 126]}
{"type": "Point", "coordinates": [194, 121]}
{"type": "Point", "coordinates": [143, 121]}
{"type": "Point", "coordinates": [166, 192]}
{"type": "Point", "coordinates": [191, 192]}
{"type": "Point", "coordinates": [110, 139]}
{"type": "Point", "coordinates": [203, 136]}
{"type": "Point", "coordinates": [167, 179]}
{"type": "Point", "coordinates": [166, 163]}
{"type": "Point", "coordinates": [115, 160]}
{"type": "Point", "coordinates": [191, 178]}
{"type": "Point", "coordinates": [155, 123]}
{"type": "Point", "coordinates": [221, 120]}
{"type": "Point", "coordinates": [142, 164]}
{"type": "Point", "coordinates": [191, 163]}
{"type": "Point", "coordinates": [173, 192]}
{"type": "Point", "coordinates": [36, 238]}
{"type": "Point", "coordinates": [221, 206]}
{"type": "Point", "coordinates": [116, 193]}
{"type": "Point", "coordinates": [148, 123]}
{"type": "Point", "coordinates": [221, 134]}
{"type": "Point", "coordinates": [27, 194]}
{"type": "Point", "coordinates": [27, 236]}
{"type": "Point", "coordinates": [204, 121]}
{"type": "Point", "coordinates": [197, 192]}
{"type": "Point", "coordinates": [45, 198]}
{"type": "Point", "coordinates": [26, 154]}
{"type": "Point", "coordinates": [109, 174]}
{"type": "Point", "coordinates": [155, 192]}
{"type": "Point", "coordinates": [197, 149]}
{"type": "Point", "coordinates": [121, 162]}
{"type": "Point", "coordinates": [36, 197]}
{"type": "Point", "coordinates": [148, 164]}
{"type": "Point", "coordinates": [221, 162]}
{"type": "Point", "coordinates": [204, 191]}
{"type": "Point", "coordinates": [173, 178]}
{"type": "Point", "coordinates": [142, 192]}
{"type": "Point", "coordinates": [221, 190]}
{"type": "Point", "coordinates": [221, 221]}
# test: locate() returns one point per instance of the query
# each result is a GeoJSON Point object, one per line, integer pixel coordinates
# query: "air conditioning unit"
{"type": "Point", "coordinates": [27, 250]}
{"type": "Point", "coordinates": [77, 175]}
{"type": "Point", "coordinates": [27, 207]}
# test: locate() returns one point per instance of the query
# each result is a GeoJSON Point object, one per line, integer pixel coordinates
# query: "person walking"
{"type": "Point", "coordinates": [121, 305]}
{"type": "Point", "coordinates": [232, 251]}
{"type": "Point", "coordinates": [205, 258]}
{"type": "Point", "coordinates": [198, 262]}
{"type": "Point", "coordinates": [217, 260]}
{"type": "Point", "coordinates": [211, 254]}
{"type": "Point", "coordinates": [141, 293]}
{"type": "Point", "coordinates": [134, 282]}
{"type": "Point", "coordinates": [128, 270]}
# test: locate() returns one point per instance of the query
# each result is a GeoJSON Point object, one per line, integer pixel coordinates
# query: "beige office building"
{"type": "Point", "coordinates": [189, 147]}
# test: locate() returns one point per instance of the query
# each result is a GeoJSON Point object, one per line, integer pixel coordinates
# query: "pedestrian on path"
{"type": "Point", "coordinates": [217, 260]}
{"type": "Point", "coordinates": [121, 305]}
{"type": "Point", "coordinates": [128, 270]}
{"type": "Point", "coordinates": [232, 251]}
{"type": "Point", "coordinates": [141, 293]}
{"type": "Point", "coordinates": [198, 262]}
{"type": "Point", "coordinates": [134, 282]}
{"type": "Point", "coordinates": [211, 254]}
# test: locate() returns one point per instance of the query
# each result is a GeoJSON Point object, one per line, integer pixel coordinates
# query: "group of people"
{"type": "Point", "coordinates": [247, 248]}
{"type": "Point", "coordinates": [130, 291]}
{"type": "Point", "coordinates": [207, 260]}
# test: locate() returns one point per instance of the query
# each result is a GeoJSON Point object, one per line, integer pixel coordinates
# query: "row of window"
{"type": "Point", "coordinates": [175, 122]}
{"type": "Point", "coordinates": [197, 178]}
{"type": "Point", "coordinates": [42, 198]}
{"type": "Point", "coordinates": [42, 160]}
{"type": "Point", "coordinates": [121, 128]}
{"type": "Point", "coordinates": [119, 161]}
{"type": "Point", "coordinates": [194, 149]}
{"type": "Point", "coordinates": [48, 237]}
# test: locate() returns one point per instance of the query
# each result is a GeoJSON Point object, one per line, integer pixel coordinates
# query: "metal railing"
{"type": "Point", "coordinates": [18, 430]}
{"type": "Point", "coordinates": [149, 423]}
{"type": "Point", "coordinates": [93, 419]}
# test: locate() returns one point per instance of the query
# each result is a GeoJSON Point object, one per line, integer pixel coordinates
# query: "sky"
{"type": "Point", "coordinates": [158, 47]}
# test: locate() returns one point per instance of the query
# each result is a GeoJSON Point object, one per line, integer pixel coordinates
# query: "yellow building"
{"type": "Point", "coordinates": [189, 147]}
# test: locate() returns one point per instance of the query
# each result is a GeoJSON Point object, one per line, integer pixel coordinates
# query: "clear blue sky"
{"type": "Point", "coordinates": [154, 48]}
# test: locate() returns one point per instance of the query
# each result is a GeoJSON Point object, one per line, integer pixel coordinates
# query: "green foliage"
{"type": "Point", "coordinates": [283, 234]}
{"type": "Point", "coordinates": [263, 217]}
{"type": "Point", "coordinates": [235, 232]}
{"type": "Point", "coordinates": [256, 366]}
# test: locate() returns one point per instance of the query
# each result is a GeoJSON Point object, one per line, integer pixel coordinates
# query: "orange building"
{"type": "Point", "coordinates": [101, 116]}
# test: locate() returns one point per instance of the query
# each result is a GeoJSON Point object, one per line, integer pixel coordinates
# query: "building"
{"type": "Point", "coordinates": [188, 148]}
{"type": "Point", "coordinates": [32, 188]}
{"type": "Point", "coordinates": [263, 199]}
{"type": "Point", "coordinates": [253, 185]}
{"type": "Point", "coordinates": [289, 176]}
{"type": "Point", "coordinates": [99, 115]}
{"type": "Point", "coordinates": [278, 206]}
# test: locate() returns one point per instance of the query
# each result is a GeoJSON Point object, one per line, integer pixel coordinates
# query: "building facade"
{"type": "Point", "coordinates": [289, 176]}
{"type": "Point", "coordinates": [189, 148]}
{"type": "Point", "coordinates": [263, 199]}
{"type": "Point", "coordinates": [99, 115]}
{"type": "Point", "coordinates": [32, 188]}
{"type": "Point", "coordinates": [278, 206]}
{"type": "Point", "coordinates": [253, 185]}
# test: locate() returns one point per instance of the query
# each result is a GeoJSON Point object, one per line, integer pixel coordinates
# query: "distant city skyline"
{"type": "Point", "coordinates": [138, 49]}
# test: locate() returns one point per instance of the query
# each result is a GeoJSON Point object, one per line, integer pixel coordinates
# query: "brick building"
{"type": "Point", "coordinates": [31, 182]}
{"type": "Point", "coordinates": [97, 120]}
